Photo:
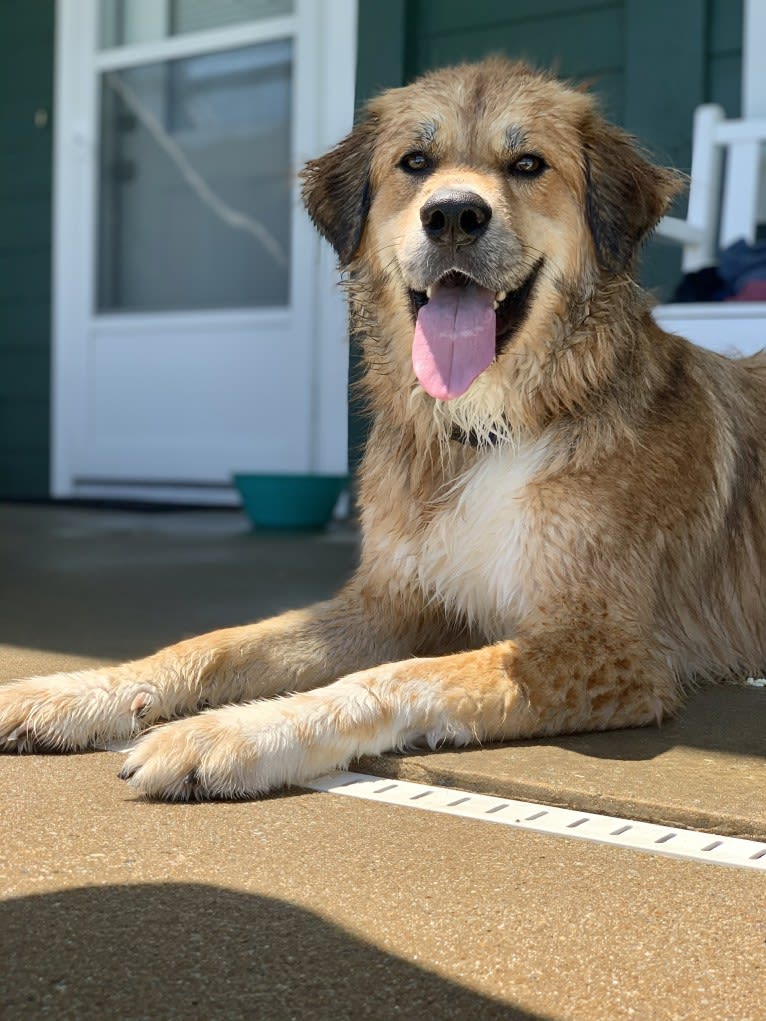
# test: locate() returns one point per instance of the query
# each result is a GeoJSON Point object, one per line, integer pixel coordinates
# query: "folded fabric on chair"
{"type": "Point", "coordinates": [743, 268]}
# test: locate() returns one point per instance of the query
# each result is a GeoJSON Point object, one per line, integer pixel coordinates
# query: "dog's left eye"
{"type": "Point", "coordinates": [529, 165]}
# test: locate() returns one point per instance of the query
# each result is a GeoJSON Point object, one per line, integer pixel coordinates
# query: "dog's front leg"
{"type": "Point", "coordinates": [293, 652]}
{"type": "Point", "coordinates": [514, 689]}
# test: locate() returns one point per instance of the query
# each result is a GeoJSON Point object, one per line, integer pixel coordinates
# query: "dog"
{"type": "Point", "coordinates": [563, 508]}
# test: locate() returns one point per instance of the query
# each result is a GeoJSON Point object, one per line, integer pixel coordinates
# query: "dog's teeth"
{"type": "Point", "coordinates": [428, 292]}
{"type": "Point", "coordinates": [496, 305]}
{"type": "Point", "coordinates": [500, 296]}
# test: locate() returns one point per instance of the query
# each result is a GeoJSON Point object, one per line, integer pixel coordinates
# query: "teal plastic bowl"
{"type": "Point", "coordinates": [289, 501]}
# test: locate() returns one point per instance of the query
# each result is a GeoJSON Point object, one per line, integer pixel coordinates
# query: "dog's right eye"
{"type": "Point", "coordinates": [528, 165]}
{"type": "Point", "coordinates": [415, 162]}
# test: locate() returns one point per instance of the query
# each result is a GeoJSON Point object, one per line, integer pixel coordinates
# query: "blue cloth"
{"type": "Point", "coordinates": [742, 263]}
{"type": "Point", "coordinates": [739, 265]}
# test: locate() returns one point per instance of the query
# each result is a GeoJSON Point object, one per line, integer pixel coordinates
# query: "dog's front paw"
{"type": "Point", "coordinates": [224, 753]}
{"type": "Point", "coordinates": [70, 712]}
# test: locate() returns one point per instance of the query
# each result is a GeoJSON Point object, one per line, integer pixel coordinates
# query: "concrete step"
{"type": "Point", "coordinates": [705, 770]}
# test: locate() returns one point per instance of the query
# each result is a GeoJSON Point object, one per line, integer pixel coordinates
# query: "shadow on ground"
{"type": "Point", "coordinates": [728, 719]}
{"type": "Point", "coordinates": [194, 951]}
{"type": "Point", "coordinates": [116, 585]}
{"type": "Point", "coordinates": [713, 719]}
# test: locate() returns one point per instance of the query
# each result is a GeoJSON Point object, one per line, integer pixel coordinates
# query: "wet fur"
{"type": "Point", "coordinates": [596, 547]}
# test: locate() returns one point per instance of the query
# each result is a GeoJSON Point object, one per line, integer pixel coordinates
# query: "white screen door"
{"type": "Point", "coordinates": [197, 328]}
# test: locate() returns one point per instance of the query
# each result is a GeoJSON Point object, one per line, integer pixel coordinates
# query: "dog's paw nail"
{"type": "Point", "coordinates": [127, 772]}
{"type": "Point", "coordinates": [141, 704]}
{"type": "Point", "coordinates": [19, 740]}
{"type": "Point", "coordinates": [191, 778]}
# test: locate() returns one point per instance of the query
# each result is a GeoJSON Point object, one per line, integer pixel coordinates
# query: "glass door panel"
{"type": "Point", "coordinates": [194, 192]}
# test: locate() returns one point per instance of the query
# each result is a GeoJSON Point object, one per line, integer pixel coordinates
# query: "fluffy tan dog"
{"type": "Point", "coordinates": [563, 507]}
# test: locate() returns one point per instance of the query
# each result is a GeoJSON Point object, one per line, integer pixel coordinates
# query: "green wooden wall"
{"type": "Point", "coordinates": [679, 49]}
{"type": "Point", "coordinates": [26, 89]}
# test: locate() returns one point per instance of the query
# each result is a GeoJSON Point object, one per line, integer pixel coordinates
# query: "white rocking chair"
{"type": "Point", "coordinates": [724, 207]}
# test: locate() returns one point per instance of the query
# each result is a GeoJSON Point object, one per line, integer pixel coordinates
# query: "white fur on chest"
{"type": "Point", "coordinates": [474, 553]}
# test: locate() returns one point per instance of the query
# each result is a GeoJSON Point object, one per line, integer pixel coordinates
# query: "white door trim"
{"type": "Point", "coordinates": [326, 70]}
{"type": "Point", "coordinates": [192, 43]}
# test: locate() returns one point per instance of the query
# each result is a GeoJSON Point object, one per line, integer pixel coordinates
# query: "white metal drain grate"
{"type": "Point", "coordinates": [603, 829]}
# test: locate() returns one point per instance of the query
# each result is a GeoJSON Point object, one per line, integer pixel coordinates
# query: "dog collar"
{"type": "Point", "coordinates": [470, 439]}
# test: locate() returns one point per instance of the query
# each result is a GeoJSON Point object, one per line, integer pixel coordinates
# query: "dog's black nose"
{"type": "Point", "coordinates": [455, 217]}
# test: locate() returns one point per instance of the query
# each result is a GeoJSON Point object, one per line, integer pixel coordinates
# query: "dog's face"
{"type": "Point", "coordinates": [485, 200]}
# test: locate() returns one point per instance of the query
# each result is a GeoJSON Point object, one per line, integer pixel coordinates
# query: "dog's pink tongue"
{"type": "Point", "coordinates": [454, 339]}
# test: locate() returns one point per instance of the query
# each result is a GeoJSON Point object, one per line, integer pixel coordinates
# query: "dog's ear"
{"type": "Point", "coordinates": [626, 194]}
{"type": "Point", "coordinates": [336, 190]}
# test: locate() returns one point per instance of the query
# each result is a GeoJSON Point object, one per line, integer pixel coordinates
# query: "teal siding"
{"type": "Point", "coordinates": [594, 41]}
{"type": "Point", "coordinates": [575, 39]}
{"type": "Point", "coordinates": [382, 47]}
{"type": "Point", "coordinates": [26, 85]}
{"type": "Point", "coordinates": [723, 46]}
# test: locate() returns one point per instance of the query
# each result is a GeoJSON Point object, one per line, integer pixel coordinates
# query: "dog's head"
{"type": "Point", "coordinates": [484, 197]}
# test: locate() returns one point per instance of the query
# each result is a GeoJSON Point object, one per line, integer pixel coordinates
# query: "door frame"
{"type": "Point", "coordinates": [325, 39]}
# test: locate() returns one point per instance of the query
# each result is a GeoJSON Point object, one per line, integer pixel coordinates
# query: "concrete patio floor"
{"type": "Point", "coordinates": [316, 906]}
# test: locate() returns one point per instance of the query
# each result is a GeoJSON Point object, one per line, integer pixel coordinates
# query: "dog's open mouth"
{"type": "Point", "coordinates": [461, 328]}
